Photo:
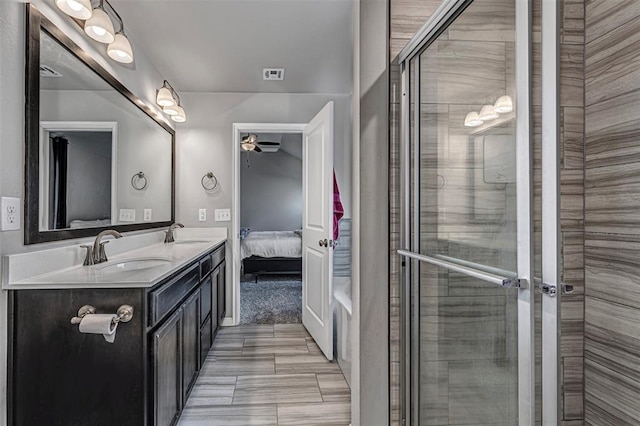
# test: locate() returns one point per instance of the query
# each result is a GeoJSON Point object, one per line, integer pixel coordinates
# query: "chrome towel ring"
{"type": "Point", "coordinates": [209, 181]}
{"type": "Point", "coordinates": [139, 181]}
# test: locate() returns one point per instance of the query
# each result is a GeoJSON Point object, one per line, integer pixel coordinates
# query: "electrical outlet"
{"type": "Point", "coordinates": [147, 215]}
{"type": "Point", "coordinates": [10, 213]}
{"type": "Point", "coordinates": [127, 215]}
{"type": "Point", "coordinates": [223, 215]}
{"type": "Point", "coordinates": [202, 215]}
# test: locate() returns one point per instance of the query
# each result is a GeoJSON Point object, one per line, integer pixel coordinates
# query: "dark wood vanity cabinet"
{"type": "Point", "coordinates": [59, 376]}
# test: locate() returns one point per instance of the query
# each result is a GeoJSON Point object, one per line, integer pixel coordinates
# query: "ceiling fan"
{"type": "Point", "coordinates": [251, 143]}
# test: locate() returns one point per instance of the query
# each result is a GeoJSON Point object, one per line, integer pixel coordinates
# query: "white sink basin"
{"type": "Point", "coordinates": [133, 265]}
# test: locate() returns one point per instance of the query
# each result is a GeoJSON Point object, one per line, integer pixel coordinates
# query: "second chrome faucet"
{"type": "Point", "coordinates": [169, 234]}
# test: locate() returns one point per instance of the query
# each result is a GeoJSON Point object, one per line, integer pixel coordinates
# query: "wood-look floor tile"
{"type": "Point", "coordinates": [236, 365]}
{"type": "Point", "coordinates": [313, 347]}
{"type": "Point", "coordinates": [226, 346]}
{"type": "Point", "coordinates": [277, 345]}
{"type": "Point", "coordinates": [307, 363]}
{"type": "Point", "coordinates": [334, 387]}
{"type": "Point", "coordinates": [243, 331]}
{"type": "Point", "coordinates": [283, 388]}
{"type": "Point", "coordinates": [211, 390]}
{"type": "Point", "coordinates": [290, 330]}
{"type": "Point", "coordinates": [328, 413]}
{"type": "Point", "coordinates": [231, 415]}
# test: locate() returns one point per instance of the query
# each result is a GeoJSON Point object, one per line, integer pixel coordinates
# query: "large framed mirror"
{"type": "Point", "coordinates": [96, 156]}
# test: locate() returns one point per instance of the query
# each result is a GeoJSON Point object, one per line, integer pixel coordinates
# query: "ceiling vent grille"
{"type": "Point", "coordinates": [47, 71]}
{"type": "Point", "coordinates": [273, 73]}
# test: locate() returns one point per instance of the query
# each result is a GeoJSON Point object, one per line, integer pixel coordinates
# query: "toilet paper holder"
{"type": "Point", "coordinates": [124, 314]}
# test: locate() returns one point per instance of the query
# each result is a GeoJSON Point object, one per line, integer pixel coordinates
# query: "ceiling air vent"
{"type": "Point", "coordinates": [273, 73]}
{"type": "Point", "coordinates": [47, 71]}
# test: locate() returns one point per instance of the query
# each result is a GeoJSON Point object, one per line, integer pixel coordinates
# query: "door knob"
{"type": "Point", "coordinates": [324, 243]}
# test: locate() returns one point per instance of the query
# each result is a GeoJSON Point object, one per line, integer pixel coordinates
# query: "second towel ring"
{"type": "Point", "coordinates": [209, 181]}
{"type": "Point", "coordinates": [139, 181]}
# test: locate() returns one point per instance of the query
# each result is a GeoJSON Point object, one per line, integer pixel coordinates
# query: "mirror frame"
{"type": "Point", "coordinates": [35, 23]}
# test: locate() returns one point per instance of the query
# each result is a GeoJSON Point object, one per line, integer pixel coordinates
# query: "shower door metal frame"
{"type": "Point", "coordinates": [448, 11]}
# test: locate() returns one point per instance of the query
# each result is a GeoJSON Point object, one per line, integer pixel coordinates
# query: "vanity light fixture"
{"type": "Point", "coordinates": [503, 104]}
{"type": "Point", "coordinates": [169, 100]}
{"type": "Point", "coordinates": [79, 9]}
{"type": "Point", "coordinates": [99, 26]}
{"type": "Point", "coordinates": [472, 120]}
{"type": "Point", "coordinates": [488, 113]}
{"type": "Point", "coordinates": [120, 49]}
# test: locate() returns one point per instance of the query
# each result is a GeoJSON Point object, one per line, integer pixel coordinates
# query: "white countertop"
{"type": "Point", "coordinates": [176, 255]}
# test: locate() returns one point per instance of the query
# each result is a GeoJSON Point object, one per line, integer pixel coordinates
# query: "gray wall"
{"type": "Point", "coordinates": [271, 191]}
{"type": "Point", "coordinates": [373, 228]}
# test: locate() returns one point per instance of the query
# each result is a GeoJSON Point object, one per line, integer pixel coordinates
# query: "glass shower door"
{"type": "Point", "coordinates": [467, 230]}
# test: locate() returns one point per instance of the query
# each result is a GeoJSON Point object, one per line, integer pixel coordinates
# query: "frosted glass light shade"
{"type": "Point", "coordinates": [120, 50]}
{"type": "Point", "coordinates": [171, 110]}
{"type": "Point", "coordinates": [180, 117]}
{"type": "Point", "coordinates": [472, 120]}
{"type": "Point", "coordinates": [503, 105]}
{"type": "Point", "coordinates": [99, 27]}
{"type": "Point", "coordinates": [164, 98]}
{"type": "Point", "coordinates": [79, 9]}
{"type": "Point", "coordinates": [488, 113]}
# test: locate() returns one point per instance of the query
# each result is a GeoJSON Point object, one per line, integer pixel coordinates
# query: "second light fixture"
{"type": "Point", "coordinates": [503, 105]}
{"type": "Point", "coordinates": [169, 100]}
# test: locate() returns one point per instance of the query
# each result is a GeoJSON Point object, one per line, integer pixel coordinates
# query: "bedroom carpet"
{"type": "Point", "coordinates": [273, 300]}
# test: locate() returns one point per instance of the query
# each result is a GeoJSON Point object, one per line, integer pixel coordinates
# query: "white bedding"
{"type": "Point", "coordinates": [271, 244]}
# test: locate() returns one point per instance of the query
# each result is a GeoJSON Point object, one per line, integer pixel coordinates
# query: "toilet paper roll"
{"type": "Point", "coordinates": [100, 324]}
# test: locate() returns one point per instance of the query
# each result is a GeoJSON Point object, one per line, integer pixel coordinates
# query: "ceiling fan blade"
{"type": "Point", "coordinates": [268, 143]}
{"type": "Point", "coordinates": [257, 149]}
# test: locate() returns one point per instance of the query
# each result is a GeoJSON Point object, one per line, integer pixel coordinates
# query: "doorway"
{"type": "Point", "coordinates": [271, 228]}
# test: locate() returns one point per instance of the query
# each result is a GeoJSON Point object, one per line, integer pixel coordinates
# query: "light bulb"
{"type": "Point", "coordinates": [180, 117]}
{"type": "Point", "coordinates": [503, 104]}
{"type": "Point", "coordinates": [472, 120]}
{"type": "Point", "coordinates": [171, 110]}
{"type": "Point", "coordinates": [164, 98]}
{"type": "Point", "coordinates": [488, 113]}
{"type": "Point", "coordinates": [79, 9]}
{"type": "Point", "coordinates": [120, 50]}
{"type": "Point", "coordinates": [99, 27]}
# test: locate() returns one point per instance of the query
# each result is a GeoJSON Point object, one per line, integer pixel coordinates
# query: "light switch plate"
{"type": "Point", "coordinates": [10, 213]}
{"type": "Point", "coordinates": [147, 215]}
{"type": "Point", "coordinates": [223, 215]}
{"type": "Point", "coordinates": [202, 215]}
{"type": "Point", "coordinates": [127, 215]}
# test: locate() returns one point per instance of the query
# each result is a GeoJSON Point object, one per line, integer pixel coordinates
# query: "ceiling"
{"type": "Point", "coordinates": [223, 45]}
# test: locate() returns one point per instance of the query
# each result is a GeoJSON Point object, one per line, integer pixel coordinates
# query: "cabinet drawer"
{"type": "Point", "coordinates": [205, 299]}
{"type": "Point", "coordinates": [217, 257]}
{"type": "Point", "coordinates": [206, 266]}
{"type": "Point", "coordinates": [168, 296]}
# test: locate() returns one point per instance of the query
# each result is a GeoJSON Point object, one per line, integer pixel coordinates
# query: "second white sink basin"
{"type": "Point", "coordinates": [133, 265]}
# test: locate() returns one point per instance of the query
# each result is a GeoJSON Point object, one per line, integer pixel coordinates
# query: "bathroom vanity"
{"type": "Point", "coordinates": [60, 376]}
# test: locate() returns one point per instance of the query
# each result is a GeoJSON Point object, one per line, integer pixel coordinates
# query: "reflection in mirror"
{"type": "Point", "coordinates": [91, 139]}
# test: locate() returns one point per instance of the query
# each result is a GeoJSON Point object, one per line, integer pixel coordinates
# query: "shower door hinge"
{"type": "Point", "coordinates": [511, 283]}
{"type": "Point", "coordinates": [548, 289]}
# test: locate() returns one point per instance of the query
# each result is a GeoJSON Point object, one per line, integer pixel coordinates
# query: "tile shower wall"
{"type": "Point", "coordinates": [612, 238]}
{"type": "Point", "coordinates": [407, 16]}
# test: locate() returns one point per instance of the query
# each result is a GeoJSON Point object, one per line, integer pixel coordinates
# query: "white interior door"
{"type": "Point", "coordinates": [317, 229]}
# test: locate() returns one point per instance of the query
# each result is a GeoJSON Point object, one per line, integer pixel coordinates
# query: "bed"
{"type": "Point", "coordinates": [271, 252]}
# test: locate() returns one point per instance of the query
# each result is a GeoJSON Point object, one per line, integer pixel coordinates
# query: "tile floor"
{"type": "Point", "coordinates": [268, 375]}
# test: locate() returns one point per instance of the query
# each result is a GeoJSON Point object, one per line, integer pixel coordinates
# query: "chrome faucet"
{"type": "Point", "coordinates": [97, 251]}
{"type": "Point", "coordinates": [169, 234]}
